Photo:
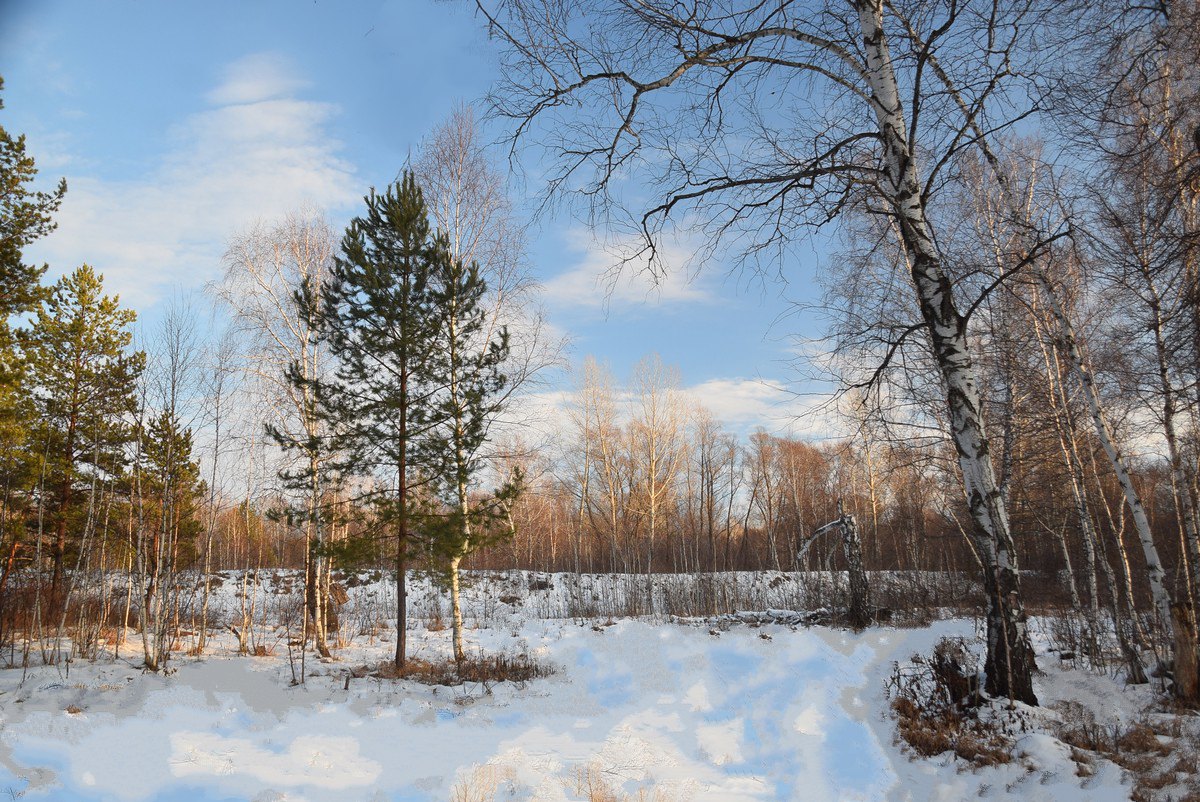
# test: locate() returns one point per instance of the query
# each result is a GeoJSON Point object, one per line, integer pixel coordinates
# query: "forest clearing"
{"type": "Point", "coordinates": [654, 708]}
{"type": "Point", "coordinates": [600, 400]}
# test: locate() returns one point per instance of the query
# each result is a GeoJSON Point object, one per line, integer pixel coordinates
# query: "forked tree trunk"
{"type": "Point", "coordinates": [1181, 486]}
{"type": "Point", "coordinates": [858, 614]}
{"type": "Point", "coordinates": [1186, 674]}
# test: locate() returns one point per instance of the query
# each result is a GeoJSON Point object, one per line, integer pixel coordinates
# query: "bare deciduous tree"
{"type": "Point", "coordinates": [265, 268]}
{"type": "Point", "coordinates": [757, 120]}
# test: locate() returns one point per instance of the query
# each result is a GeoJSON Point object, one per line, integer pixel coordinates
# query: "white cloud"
{"type": "Point", "coordinates": [610, 274]}
{"type": "Point", "coordinates": [257, 77]}
{"type": "Point", "coordinates": [740, 404]}
{"type": "Point", "coordinates": [746, 404]}
{"type": "Point", "coordinates": [258, 154]}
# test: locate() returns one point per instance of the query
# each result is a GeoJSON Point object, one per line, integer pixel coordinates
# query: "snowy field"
{"type": "Point", "coordinates": [637, 709]}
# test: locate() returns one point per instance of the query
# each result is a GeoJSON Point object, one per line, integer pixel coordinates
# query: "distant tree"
{"type": "Point", "coordinates": [85, 375]}
{"type": "Point", "coordinates": [174, 483]}
{"type": "Point", "coordinates": [376, 316]}
{"type": "Point", "coordinates": [658, 449]}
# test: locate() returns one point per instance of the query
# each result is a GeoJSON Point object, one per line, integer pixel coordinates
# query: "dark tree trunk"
{"type": "Point", "coordinates": [859, 615]}
{"type": "Point", "coordinates": [1187, 675]}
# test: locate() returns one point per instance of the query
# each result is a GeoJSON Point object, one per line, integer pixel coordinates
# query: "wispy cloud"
{"type": "Point", "coordinates": [257, 152]}
{"type": "Point", "coordinates": [746, 404]}
{"type": "Point", "coordinates": [613, 275]}
{"type": "Point", "coordinates": [257, 77]}
{"type": "Point", "coordinates": [740, 404]}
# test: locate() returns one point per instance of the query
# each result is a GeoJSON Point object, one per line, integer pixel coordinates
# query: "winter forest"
{"type": "Point", "coordinates": [350, 513]}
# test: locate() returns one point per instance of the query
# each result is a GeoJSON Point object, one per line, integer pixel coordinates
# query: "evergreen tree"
{"type": "Point", "coordinates": [85, 376]}
{"type": "Point", "coordinates": [377, 319]}
{"type": "Point", "coordinates": [468, 371]}
{"type": "Point", "coordinates": [172, 485]}
{"type": "Point", "coordinates": [25, 215]}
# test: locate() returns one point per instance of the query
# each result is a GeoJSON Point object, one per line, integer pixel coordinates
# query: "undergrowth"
{"type": "Point", "coordinates": [1158, 752]}
{"type": "Point", "coordinates": [519, 667]}
{"type": "Point", "coordinates": [937, 703]}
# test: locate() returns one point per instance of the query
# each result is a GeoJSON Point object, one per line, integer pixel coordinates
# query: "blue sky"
{"type": "Point", "coordinates": [177, 125]}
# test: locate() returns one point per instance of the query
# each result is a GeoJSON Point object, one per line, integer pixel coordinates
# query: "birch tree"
{"type": "Point", "coordinates": [659, 448]}
{"type": "Point", "coordinates": [266, 268]}
{"type": "Point", "coordinates": [472, 393]}
{"type": "Point", "coordinates": [469, 203]}
{"type": "Point", "coordinates": [756, 121]}
{"type": "Point", "coordinates": [221, 387]}
{"type": "Point", "coordinates": [167, 475]}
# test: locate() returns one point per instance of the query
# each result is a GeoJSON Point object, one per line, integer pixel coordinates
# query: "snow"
{"type": "Point", "coordinates": [684, 710]}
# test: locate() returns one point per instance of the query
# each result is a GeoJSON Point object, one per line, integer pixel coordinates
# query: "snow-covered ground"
{"type": "Point", "coordinates": [673, 711]}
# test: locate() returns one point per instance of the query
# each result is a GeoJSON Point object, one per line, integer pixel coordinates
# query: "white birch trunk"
{"type": "Point", "coordinates": [1010, 662]}
{"type": "Point", "coordinates": [1154, 570]}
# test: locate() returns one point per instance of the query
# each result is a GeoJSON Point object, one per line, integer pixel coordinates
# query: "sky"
{"type": "Point", "coordinates": [177, 125]}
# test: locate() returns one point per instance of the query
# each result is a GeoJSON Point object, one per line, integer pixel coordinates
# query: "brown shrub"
{"type": "Point", "coordinates": [936, 702]}
{"type": "Point", "coordinates": [1134, 747]}
{"type": "Point", "coordinates": [933, 734]}
{"type": "Point", "coordinates": [518, 668]}
{"type": "Point", "coordinates": [481, 785]}
{"type": "Point", "coordinates": [590, 784]}
{"type": "Point", "coordinates": [1141, 739]}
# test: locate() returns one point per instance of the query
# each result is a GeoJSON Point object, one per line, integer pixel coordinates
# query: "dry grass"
{"type": "Point", "coordinates": [1149, 749]}
{"type": "Point", "coordinates": [492, 668]}
{"type": "Point", "coordinates": [936, 702]}
{"type": "Point", "coordinates": [933, 733]}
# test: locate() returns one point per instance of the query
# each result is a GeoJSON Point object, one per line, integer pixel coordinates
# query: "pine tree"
{"type": "Point", "coordinates": [85, 375]}
{"type": "Point", "coordinates": [25, 216]}
{"type": "Point", "coordinates": [377, 320]}
{"type": "Point", "coordinates": [172, 482]}
{"type": "Point", "coordinates": [170, 488]}
{"type": "Point", "coordinates": [469, 375]}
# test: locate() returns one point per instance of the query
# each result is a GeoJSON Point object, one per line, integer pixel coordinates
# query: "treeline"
{"type": "Point", "coordinates": [722, 502]}
{"type": "Point", "coordinates": [342, 416]}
